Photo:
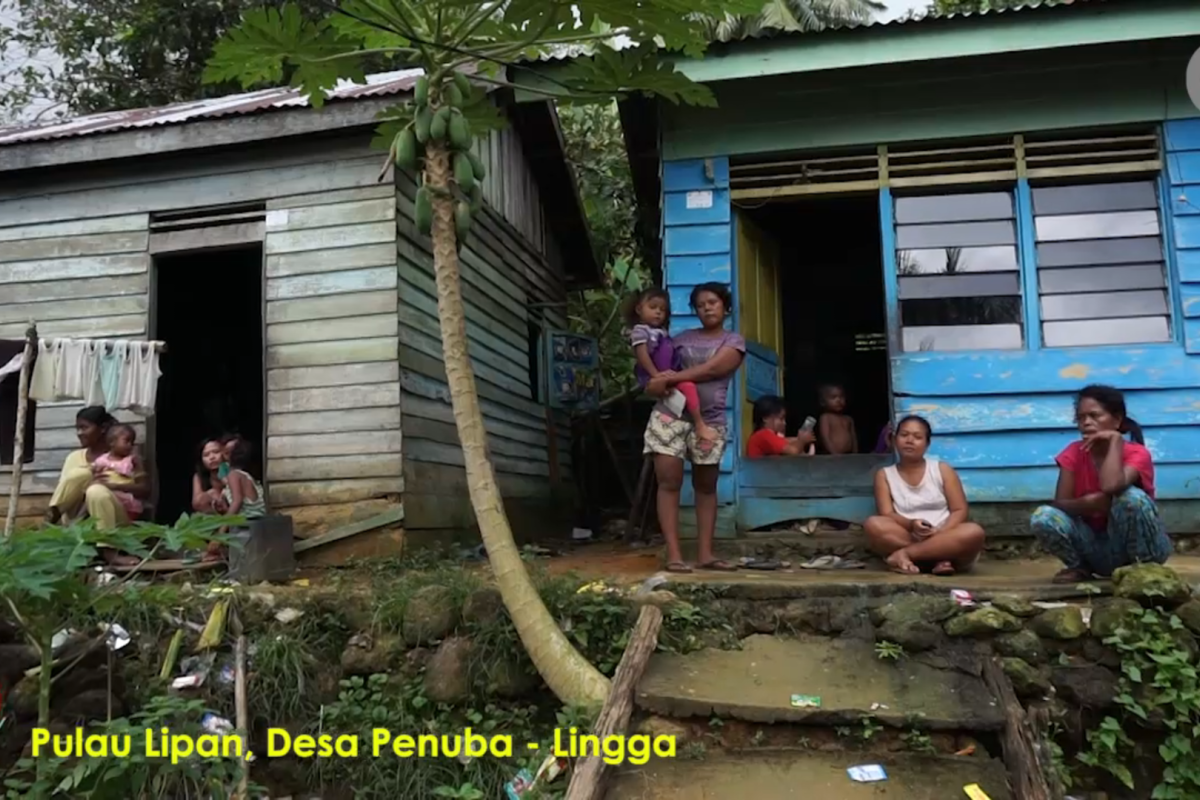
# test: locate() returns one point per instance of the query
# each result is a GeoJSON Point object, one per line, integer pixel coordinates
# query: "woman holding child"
{"type": "Point", "coordinates": [699, 367]}
{"type": "Point", "coordinates": [922, 510]}
{"type": "Point", "coordinates": [1103, 515]}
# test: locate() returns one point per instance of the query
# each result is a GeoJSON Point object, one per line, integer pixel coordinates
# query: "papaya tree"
{"type": "Point", "coordinates": [466, 49]}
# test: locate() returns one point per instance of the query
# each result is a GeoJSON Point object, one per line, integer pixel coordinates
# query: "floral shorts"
{"type": "Point", "coordinates": [668, 436]}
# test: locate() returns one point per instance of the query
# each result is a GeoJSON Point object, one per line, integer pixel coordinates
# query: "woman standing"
{"type": "Point", "coordinates": [709, 356]}
{"type": "Point", "coordinates": [1103, 515]}
{"type": "Point", "coordinates": [922, 509]}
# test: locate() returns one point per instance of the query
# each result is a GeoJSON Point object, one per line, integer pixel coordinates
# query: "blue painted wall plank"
{"type": "Point", "coordinates": [1187, 231]}
{"type": "Point", "coordinates": [1027, 251]}
{"type": "Point", "coordinates": [1052, 370]}
{"type": "Point", "coordinates": [676, 211]}
{"type": "Point", "coordinates": [1187, 263]}
{"type": "Point", "coordinates": [682, 175]}
{"type": "Point", "coordinates": [1034, 484]}
{"type": "Point", "coordinates": [760, 512]}
{"type": "Point", "coordinates": [891, 278]}
{"type": "Point", "coordinates": [1191, 336]}
{"type": "Point", "coordinates": [1189, 294]}
{"type": "Point", "coordinates": [697, 240]}
{"type": "Point", "coordinates": [692, 270]}
{"type": "Point", "coordinates": [1182, 134]}
{"type": "Point", "coordinates": [1179, 445]}
{"type": "Point", "coordinates": [1151, 407]}
{"type": "Point", "coordinates": [1184, 167]}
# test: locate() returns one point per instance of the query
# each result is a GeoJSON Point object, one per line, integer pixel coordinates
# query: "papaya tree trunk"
{"type": "Point", "coordinates": [568, 674]}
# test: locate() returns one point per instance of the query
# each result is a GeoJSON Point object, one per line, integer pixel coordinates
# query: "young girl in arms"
{"type": "Point", "coordinates": [656, 355]}
{"type": "Point", "coordinates": [119, 467]}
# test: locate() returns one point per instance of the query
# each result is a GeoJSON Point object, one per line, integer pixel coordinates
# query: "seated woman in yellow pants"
{"type": "Point", "coordinates": [80, 493]}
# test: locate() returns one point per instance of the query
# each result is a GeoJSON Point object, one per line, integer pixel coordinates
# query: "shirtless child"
{"type": "Point", "coordinates": [835, 429]}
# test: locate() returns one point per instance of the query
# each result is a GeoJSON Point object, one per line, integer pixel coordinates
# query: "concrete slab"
{"type": "Point", "coordinates": [756, 683]}
{"type": "Point", "coordinates": [808, 775]}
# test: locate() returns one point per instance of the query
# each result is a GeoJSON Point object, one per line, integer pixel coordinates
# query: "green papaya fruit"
{"type": "Point", "coordinates": [423, 124]}
{"type": "Point", "coordinates": [421, 91]}
{"type": "Point", "coordinates": [424, 212]}
{"type": "Point", "coordinates": [460, 132]}
{"type": "Point", "coordinates": [452, 95]}
{"type": "Point", "coordinates": [464, 174]}
{"type": "Point", "coordinates": [476, 195]}
{"type": "Point", "coordinates": [406, 149]}
{"type": "Point", "coordinates": [463, 84]}
{"type": "Point", "coordinates": [437, 130]}
{"type": "Point", "coordinates": [477, 166]}
{"type": "Point", "coordinates": [462, 220]}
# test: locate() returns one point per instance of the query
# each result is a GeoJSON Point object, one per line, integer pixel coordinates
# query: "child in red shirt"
{"type": "Point", "coordinates": [1104, 514]}
{"type": "Point", "coordinates": [770, 426]}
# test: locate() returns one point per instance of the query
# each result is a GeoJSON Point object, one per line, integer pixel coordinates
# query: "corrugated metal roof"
{"type": "Point", "coordinates": [381, 85]}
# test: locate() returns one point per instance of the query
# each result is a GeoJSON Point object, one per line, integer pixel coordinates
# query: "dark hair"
{"type": "Point", "coordinates": [239, 457]}
{"type": "Point", "coordinates": [1112, 400]}
{"type": "Point", "coordinates": [924, 423]}
{"type": "Point", "coordinates": [226, 438]}
{"type": "Point", "coordinates": [826, 386]}
{"type": "Point", "coordinates": [767, 406]}
{"type": "Point", "coordinates": [121, 427]}
{"type": "Point", "coordinates": [205, 478]}
{"type": "Point", "coordinates": [653, 293]}
{"type": "Point", "coordinates": [96, 415]}
{"type": "Point", "coordinates": [719, 289]}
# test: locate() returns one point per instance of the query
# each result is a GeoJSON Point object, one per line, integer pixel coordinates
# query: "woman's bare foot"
{"type": "Point", "coordinates": [901, 563]}
{"type": "Point", "coordinates": [944, 568]}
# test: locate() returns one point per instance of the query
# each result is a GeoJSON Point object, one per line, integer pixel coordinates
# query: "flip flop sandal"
{"type": "Point", "coordinates": [764, 564]}
{"type": "Point", "coordinates": [678, 567]}
{"type": "Point", "coordinates": [719, 566]}
{"type": "Point", "coordinates": [820, 562]}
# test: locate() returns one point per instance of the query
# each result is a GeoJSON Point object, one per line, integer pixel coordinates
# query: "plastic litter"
{"type": "Point", "coordinates": [519, 785]}
{"type": "Point", "coordinates": [975, 793]}
{"type": "Point", "coordinates": [214, 724]}
{"type": "Point", "coordinates": [652, 583]}
{"type": "Point", "coordinates": [805, 701]}
{"type": "Point", "coordinates": [61, 638]}
{"type": "Point", "coordinates": [581, 534]}
{"type": "Point", "coordinates": [962, 597]}
{"type": "Point", "coordinates": [867, 773]}
{"type": "Point", "coordinates": [878, 706]}
{"type": "Point", "coordinates": [117, 637]}
{"type": "Point", "coordinates": [288, 615]}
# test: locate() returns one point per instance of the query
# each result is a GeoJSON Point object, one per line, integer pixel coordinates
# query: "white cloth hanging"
{"type": "Point", "coordinates": [43, 386]}
{"type": "Point", "coordinates": [13, 366]}
{"type": "Point", "coordinates": [138, 388]}
{"type": "Point", "coordinates": [113, 364]}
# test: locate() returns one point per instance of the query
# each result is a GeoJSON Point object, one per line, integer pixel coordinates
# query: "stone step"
{"type": "Point", "coordinates": [811, 775]}
{"type": "Point", "coordinates": [756, 684]}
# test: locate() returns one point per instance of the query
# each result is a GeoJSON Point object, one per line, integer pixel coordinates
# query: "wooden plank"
{"type": "Point", "coordinates": [70, 309]}
{"type": "Point", "coordinates": [319, 354]}
{"type": "Point", "coordinates": [211, 236]}
{"type": "Point", "coordinates": [418, 368]}
{"type": "Point", "coordinates": [327, 283]}
{"type": "Point", "coordinates": [324, 215]}
{"type": "Point", "coordinates": [333, 260]}
{"type": "Point", "coordinates": [373, 465]}
{"type": "Point", "coordinates": [328, 198]}
{"type": "Point", "coordinates": [487, 366]}
{"type": "Point", "coordinates": [1025, 771]}
{"type": "Point", "coordinates": [62, 415]}
{"type": "Point", "coordinates": [416, 428]}
{"type": "Point", "coordinates": [352, 443]}
{"type": "Point", "coordinates": [414, 384]}
{"type": "Point", "coordinates": [77, 227]}
{"type": "Point", "coordinates": [965, 414]}
{"type": "Point", "coordinates": [65, 268]}
{"type": "Point", "coordinates": [341, 375]}
{"type": "Point", "coordinates": [503, 319]}
{"type": "Point", "coordinates": [363, 327]}
{"type": "Point", "coordinates": [438, 453]}
{"type": "Point", "coordinates": [86, 327]}
{"type": "Point", "coordinates": [848, 471]}
{"type": "Point", "coordinates": [359, 419]}
{"type": "Point", "coordinates": [333, 306]}
{"type": "Point", "coordinates": [65, 439]}
{"type": "Point", "coordinates": [427, 478]}
{"type": "Point", "coordinates": [289, 241]}
{"type": "Point", "coordinates": [46, 459]}
{"type": "Point", "coordinates": [76, 289]}
{"type": "Point", "coordinates": [1050, 370]}
{"type": "Point", "coordinates": [387, 518]}
{"type": "Point", "coordinates": [74, 246]}
{"type": "Point", "coordinates": [323, 492]}
{"type": "Point", "coordinates": [338, 398]}
{"type": "Point", "coordinates": [416, 407]}
{"type": "Point", "coordinates": [420, 312]}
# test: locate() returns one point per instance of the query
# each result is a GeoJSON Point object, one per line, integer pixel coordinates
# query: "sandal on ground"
{"type": "Point", "coordinates": [1072, 576]}
{"type": "Point", "coordinates": [719, 566]}
{"type": "Point", "coordinates": [765, 564]}
{"type": "Point", "coordinates": [833, 562]}
{"type": "Point", "coordinates": [943, 568]}
{"type": "Point", "coordinates": [678, 567]}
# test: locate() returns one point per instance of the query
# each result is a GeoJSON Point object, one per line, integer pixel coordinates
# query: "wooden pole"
{"type": "Point", "coordinates": [587, 781]}
{"type": "Point", "coordinates": [242, 710]}
{"type": "Point", "coordinates": [14, 493]}
{"type": "Point", "coordinates": [1025, 773]}
{"type": "Point", "coordinates": [637, 504]}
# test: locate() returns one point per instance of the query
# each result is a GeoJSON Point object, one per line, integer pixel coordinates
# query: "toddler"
{"type": "Point", "coordinates": [655, 354]}
{"type": "Point", "coordinates": [241, 495]}
{"type": "Point", "coordinates": [836, 428]}
{"type": "Point", "coordinates": [770, 427]}
{"type": "Point", "coordinates": [120, 467]}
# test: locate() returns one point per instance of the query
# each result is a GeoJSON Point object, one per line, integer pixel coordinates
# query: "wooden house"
{"type": "Point", "coordinates": [967, 218]}
{"type": "Point", "coordinates": [256, 237]}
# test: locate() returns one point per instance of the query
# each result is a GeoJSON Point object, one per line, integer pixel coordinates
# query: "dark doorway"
{"type": "Point", "coordinates": [208, 310]}
{"type": "Point", "coordinates": [834, 311]}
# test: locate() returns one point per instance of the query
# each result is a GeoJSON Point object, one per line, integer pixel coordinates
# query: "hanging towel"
{"type": "Point", "coordinates": [43, 383]}
{"type": "Point", "coordinates": [112, 371]}
{"type": "Point", "coordinates": [10, 392]}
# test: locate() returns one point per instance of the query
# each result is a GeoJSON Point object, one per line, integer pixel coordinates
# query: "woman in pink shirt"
{"type": "Point", "coordinates": [1103, 515]}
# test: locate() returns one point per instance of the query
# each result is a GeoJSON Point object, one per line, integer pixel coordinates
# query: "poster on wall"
{"type": "Point", "coordinates": [574, 371]}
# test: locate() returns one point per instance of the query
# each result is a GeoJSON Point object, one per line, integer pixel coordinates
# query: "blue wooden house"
{"type": "Point", "coordinates": [967, 218]}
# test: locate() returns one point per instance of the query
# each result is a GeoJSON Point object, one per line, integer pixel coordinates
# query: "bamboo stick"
{"type": "Point", "coordinates": [242, 710]}
{"type": "Point", "coordinates": [14, 493]}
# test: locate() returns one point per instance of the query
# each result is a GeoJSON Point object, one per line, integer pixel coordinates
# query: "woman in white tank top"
{"type": "Point", "coordinates": [922, 510]}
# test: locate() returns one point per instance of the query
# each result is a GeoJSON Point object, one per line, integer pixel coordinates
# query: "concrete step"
{"type": "Point", "coordinates": [756, 684]}
{"type": "Point", "coordinates": [810, 775]}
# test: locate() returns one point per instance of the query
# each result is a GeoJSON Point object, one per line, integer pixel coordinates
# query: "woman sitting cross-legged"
{"type": "Point", "coordinates": [1103, 515]}
{"type": "Point", "coordinates": [922, 510]}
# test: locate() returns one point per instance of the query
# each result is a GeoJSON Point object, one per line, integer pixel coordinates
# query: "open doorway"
{"type": "Point", "coordinates": [208, 310]}
{"type": "Point", "coordinates": [833, 307]}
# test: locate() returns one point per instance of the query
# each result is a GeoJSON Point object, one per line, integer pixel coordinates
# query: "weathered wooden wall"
{"type": "Point", "coordinates": [502, 276]}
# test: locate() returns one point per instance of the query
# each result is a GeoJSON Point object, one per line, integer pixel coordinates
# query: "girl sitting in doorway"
{"type": "Point", "coordinates": [241, 495]}
{"type": "Point", "coordinates": [770, 427]}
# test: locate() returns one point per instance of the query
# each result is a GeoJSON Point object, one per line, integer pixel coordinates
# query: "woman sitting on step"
{"type": "Point", "coordinates": [922, 510]}
{"type": "Point", "coordinates": [1103, 515]}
